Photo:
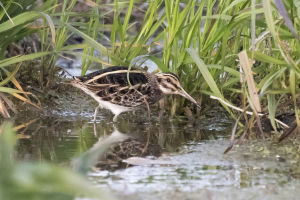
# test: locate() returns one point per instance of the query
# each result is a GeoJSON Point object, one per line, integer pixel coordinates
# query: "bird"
{"type": "Point", "coordinates": [120, 89]}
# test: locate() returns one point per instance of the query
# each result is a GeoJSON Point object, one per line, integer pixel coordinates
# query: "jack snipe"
{"type": "Point", "coordinates": [111, 89]}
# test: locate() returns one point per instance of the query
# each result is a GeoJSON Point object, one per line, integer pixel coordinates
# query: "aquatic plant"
{"type": "Point", "coordinates": [243, 53]}
{"type": "Point", "coordinates": [202, 42]}
{"type": "Point", "coordinates": [15, 20]}
{"type": "Point", "coordinates": [237, 50]}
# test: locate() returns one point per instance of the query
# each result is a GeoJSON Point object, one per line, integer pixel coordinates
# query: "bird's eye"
{"type": "Point", "coordinates": [168, 80]}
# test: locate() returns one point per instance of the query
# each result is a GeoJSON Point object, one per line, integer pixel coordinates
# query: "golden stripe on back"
{"type": "Point", "coordinates": [113, 72]}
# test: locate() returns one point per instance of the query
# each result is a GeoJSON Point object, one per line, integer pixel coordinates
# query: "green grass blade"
{"type": "Point", "coordinates": [11, 75]}
{"type": "Point", "coordinates": [159, 63]}
{"type": "Point", "coordinates": [272, 106]}
{"type": "Point", "coordinates": [205, 72]}
{"type": "Point", "coordinates": [234, 3]}
{"type": "Point", "coordinates": [5, 12]}
{"type": "Point", "coordinates": [127, 17]}
{"type": "Point", "coordinates": [9, 90]}
{"type": "Point", "coordinates": [292, 80]}
{"type": "Point", "coordinates": [267, 59]}
{"type": "Point", "coordinates": [51, 26]}
{"type": "Point", "coordinates": [20, 19]}
{"type": "Point", "coordinates": [17, 59]}
{"type": "Point", "coordinates": [271, 79]}
{"type": "Point", "coordinates": [226, 69]}
{"type": "Point", "coordinates": [87, 56]}
{"type": "Point", "coordinates": [92, 42]}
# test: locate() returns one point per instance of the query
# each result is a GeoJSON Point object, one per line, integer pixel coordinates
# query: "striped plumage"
{"type": "Point", "coordinates": [110, 87]}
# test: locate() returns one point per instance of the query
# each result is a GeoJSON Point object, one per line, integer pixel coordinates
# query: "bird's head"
{"type": "Point", "coordinates": [169, 84]}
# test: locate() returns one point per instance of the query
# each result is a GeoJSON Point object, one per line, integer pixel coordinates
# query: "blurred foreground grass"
{"type": "Point", "coordinates": [24, 180]}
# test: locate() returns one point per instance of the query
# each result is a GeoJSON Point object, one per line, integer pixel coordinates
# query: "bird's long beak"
{"type": "Point", "coordinates": [188, 97]}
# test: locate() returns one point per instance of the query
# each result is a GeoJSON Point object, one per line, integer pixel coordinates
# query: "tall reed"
{"type": "Point", "coordinates": [201, 42]}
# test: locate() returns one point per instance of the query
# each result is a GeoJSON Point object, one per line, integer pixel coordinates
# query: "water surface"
{"type": "Point", "coordinates": [191, 164]}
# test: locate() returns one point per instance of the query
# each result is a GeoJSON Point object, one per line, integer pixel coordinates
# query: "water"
{"type": "Point", "coordinates": [191, 164]}
{"type": "Point", "coordinates": [184, 159]}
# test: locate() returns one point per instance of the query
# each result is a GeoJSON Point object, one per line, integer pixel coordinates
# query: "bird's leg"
{"type": "Point", "coordinates": [95, 130]}
{"type": "Point", "coordinates": [96, 112]}
{"type": "Point", "coordinates": [161, 111]}
{"type": "Point", "coordinates": [148, 107]}
{"type": "Point", "coordinates": [115, 127]}
{"type": "Point", "coordinates": [115, 117]}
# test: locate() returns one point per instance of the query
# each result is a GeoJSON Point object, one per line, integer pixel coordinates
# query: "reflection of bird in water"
{"type": "Point", "coordinates": [119, 89]}
{"type": "Point", "coordinates": [109, 152]}
{"type": "Point", "coordinates": [128, 148]}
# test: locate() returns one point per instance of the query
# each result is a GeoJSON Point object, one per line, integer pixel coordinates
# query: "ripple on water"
{"type": "Point", "coordinates": [192, 166]}
{"type": "Point", "coordinates": [203, 166]}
